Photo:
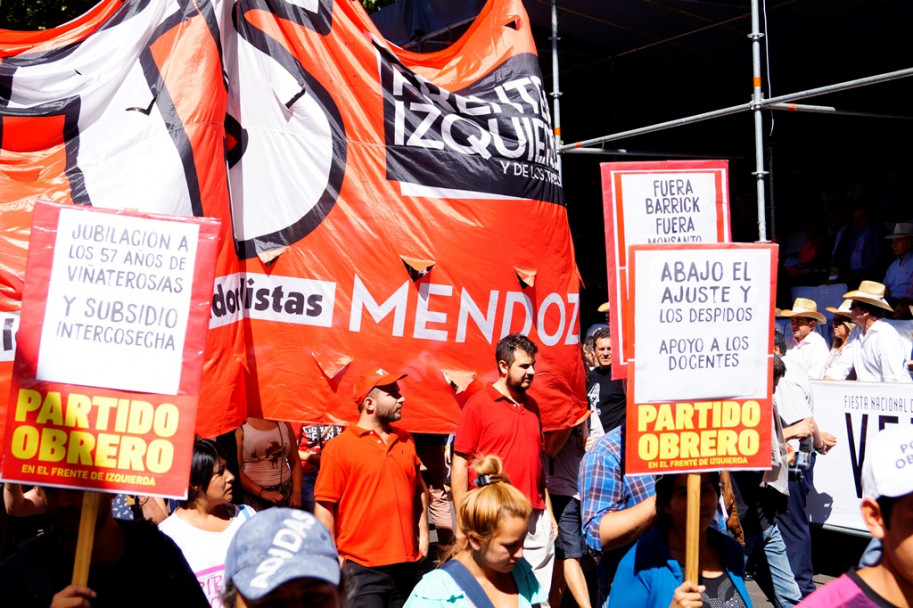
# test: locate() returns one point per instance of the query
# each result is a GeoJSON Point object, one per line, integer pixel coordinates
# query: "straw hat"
{"type": "Point", "coordinates": [803, 307]}
{"type": "Point", "coordinates": [869, 292]}
{"type": "Point", "coordinates": [901, 229]}
{"type": "Point", "coordinates": [843, 312]}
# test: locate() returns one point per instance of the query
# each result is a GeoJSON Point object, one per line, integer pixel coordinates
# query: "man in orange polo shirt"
{"type": "Point", "coordinates": [370, 496]}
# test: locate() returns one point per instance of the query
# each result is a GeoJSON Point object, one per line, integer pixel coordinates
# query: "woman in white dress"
{"type": "Point", "coordinates": [204, 524]}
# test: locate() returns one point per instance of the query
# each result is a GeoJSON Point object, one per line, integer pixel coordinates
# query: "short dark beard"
{"type": "Point", "coordinates": [519, 388]}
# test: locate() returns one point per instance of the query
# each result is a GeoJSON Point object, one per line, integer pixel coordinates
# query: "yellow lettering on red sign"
{"type": "Point", "coordinates": [56, 430]}
{"type": "Point", "coordinates": [687, 431]}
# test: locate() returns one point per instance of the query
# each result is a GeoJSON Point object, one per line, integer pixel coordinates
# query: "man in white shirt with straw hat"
{"type": "Point", "coordinates": [808, 350]}
{"type": "Point", "coordinates": [874, 349]}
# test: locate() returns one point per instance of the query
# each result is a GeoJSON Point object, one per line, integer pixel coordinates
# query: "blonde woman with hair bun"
{"type": "Point", "coordinates": [485, 568]}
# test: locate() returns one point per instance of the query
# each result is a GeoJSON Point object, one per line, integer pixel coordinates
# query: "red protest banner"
{"type": "Point", "coordinates": [122, 107]}
{"type": "Point", "coordinates": [656, 202]}
{"type": "Point", "coordinates": [404, 211]}
{"type": "Point", "coordinates": [386, 208]}
{"type": "Point", "coordinates": [109, 357]}
{"type": "Point", "coordinates": [701, 379]}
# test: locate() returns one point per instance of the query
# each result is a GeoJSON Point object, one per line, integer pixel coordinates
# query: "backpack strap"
{"type": "Point", "coordinates": [467, 583]}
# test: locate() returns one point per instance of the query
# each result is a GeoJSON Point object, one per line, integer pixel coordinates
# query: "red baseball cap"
{"type": "Point", "coordinates": [372, 378]}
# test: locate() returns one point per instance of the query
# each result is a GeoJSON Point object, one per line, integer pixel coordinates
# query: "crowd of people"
{"type": "Point", "coordinates": [848, 246]}
{"type": "Point", "coordinates": [534, 518]}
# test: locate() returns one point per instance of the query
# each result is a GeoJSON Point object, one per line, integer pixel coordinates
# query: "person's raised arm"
{"type": "Point", "coordinates": [620, 528]}
{"type": "Point", "coordinates": [21, 503]}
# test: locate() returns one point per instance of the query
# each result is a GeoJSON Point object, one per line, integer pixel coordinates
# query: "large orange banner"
{"type": "Point", "coordinates": [121, 108]}
{"type": "Point", "coordinates": [386, 208]}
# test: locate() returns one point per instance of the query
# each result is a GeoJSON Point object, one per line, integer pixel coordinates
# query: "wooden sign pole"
{"type": "Point", "coordinates": [692, 528]}
{"type": "Point", "coordinates": [86, 538]}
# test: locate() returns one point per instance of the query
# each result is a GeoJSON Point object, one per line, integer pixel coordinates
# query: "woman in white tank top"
{"type": "Point", "coordinates": [269, 463]}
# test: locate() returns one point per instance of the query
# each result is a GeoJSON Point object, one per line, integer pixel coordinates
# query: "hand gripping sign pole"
{"type": "Point", "coordinates": [108, 296]}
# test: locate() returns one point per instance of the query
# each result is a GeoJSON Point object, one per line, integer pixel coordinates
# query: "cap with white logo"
{"type": "Point", "coordinates": [888, 468]}
{"type": "Point", "coordinates": [278, 545]}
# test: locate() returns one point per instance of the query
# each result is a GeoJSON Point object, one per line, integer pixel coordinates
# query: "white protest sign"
{"type": "Point", "coordinates": [118, 302]}
{"type": "Point", "coordinates": [656, 202]}
{"type": "Point", "coordinates": [703, 321]}
{"type": "Point", "coordinates": [670, 208]}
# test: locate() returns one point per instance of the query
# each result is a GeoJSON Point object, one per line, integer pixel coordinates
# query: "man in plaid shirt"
{"type": "Point", "coordinates": [615, 509]}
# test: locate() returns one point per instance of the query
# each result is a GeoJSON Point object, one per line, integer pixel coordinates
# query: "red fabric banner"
{"type": "Point", "coordinates": [387, 208]}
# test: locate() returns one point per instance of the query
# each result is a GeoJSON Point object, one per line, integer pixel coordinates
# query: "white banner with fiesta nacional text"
{"type": "Point", "coordinates": [854, 412]}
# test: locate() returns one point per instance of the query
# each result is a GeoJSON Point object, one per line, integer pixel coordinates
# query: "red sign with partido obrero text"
{"type": "Point", "coordinates": [110, 350]}
{"type": "Point", "coordinates": [701, 378]}
{"type": "Point", "coordinates": [656, 203]}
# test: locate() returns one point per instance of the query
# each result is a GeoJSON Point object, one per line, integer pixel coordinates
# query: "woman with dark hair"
{"type": "Point", "coordinates": [843, 325]}
{"type": "Point", "coordinates": [650, 574]}
{"type": "Point", "coordinates": [205, 522]}
{"type": "Point", "coordinates": [485, 566]}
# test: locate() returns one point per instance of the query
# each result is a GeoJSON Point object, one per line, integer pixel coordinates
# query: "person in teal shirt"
{"type": "Point", "coordinates": [486, 566]}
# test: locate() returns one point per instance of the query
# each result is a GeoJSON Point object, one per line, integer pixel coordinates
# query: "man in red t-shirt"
{"type": "Point", "coordinates": [370, 496]}
{"type": "Point", "coordinates": [503, 420]}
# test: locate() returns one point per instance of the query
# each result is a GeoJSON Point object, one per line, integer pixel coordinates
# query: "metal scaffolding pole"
{"type": "Point", "coordinates": [556, 90]}
{"type": "Point", "coordinates": [757, 97]}
{"type": "Point", "coordinates": [765, 103]}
